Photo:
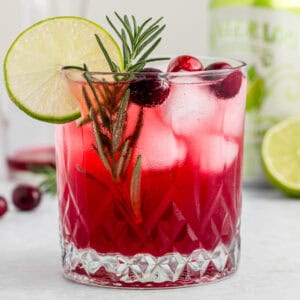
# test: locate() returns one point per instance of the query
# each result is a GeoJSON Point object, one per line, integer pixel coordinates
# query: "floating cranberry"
{"type": "Point", "coordinates": [26, 197]}
{"type": "Point", "coordinates": [149, 91]}
{"type": "Point", "coordinates": [185, 63]}
{"type": "Point", "coordinates": [218, 66]}
{"type": "Point", "coordinates": [230, 85]}
{"type": "Point", "coordinates": [3, 206]}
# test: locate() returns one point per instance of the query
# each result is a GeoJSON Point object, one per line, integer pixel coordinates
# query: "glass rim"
{"type": "Point", "coordinates": [239, 65]}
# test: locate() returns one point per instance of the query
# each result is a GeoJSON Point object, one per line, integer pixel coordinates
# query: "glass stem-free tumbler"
{"type": "Point", "coordinates": [150, 194]}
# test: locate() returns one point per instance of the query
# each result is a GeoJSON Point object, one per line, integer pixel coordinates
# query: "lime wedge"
{"type": "Point", "coordinates": [281, 155]}
{"type": "Point", "coordinates": [33, 64]}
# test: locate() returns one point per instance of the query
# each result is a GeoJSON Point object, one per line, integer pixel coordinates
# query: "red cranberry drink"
{"type": "Point", "coordinates": [183, 227]}
{"type": "Point", "coordinates": [148, 160]}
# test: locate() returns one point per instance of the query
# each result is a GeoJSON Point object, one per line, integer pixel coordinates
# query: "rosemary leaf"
{"type": "Point", "coordinates": [147, 33]}
{"type": "Point", "coordinates": [122, 159]}
{"type": "Point", "coordinates": [73, 67]}
{"type": "Point", "coordinates": [136, 67]}
{"type": "Point", "coordinates": [135, 190]}
{"type": "Point", "coordinates": [156, 59]}
{"type": "Point", "coordinates": [100, 148]}
{"type": "Point", "coordinates": [127, 161]}
{"type": "Point", "coordinates": [151, 27]}
{"type": "Point", "coordinates": [125, 48]}
{"type": "Point", "coordinates": [86, 98]}
{"type": "Point", "coordinates": [105, 53]}
{"type": "Point", "coordinates": [104, 117]}
{"type": "Point", "coordinates": [134, 26]}
{"type": "Point", "coordinates": [118, 127]}
{"type": "Point", "coordinates": [140, 29]}
{"type": "Point", "coordinates": [48, 183]}
{"type": "Point", "coordinates": [155, 23]}
{"type": "Point", "coordinates": [105, 140]}
{"type": "Point", "coordinates": [116, 67]}
{"type": "Point", "coordinates": [151, 38]}
{"type": "Point", "coordinates": [149, 51]}
{"type": "Point", "coordinates": [96, 130]}
{"type": "Point", "coordinates": [126, 20]}
{"type": "Point", "coordinates": [114, 27]}
{"type": "Point", "coordinates": [126, 26]}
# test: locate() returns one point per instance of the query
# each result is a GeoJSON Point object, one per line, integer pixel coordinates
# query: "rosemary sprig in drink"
{"type": "Point", "coordinates": [108, 110]}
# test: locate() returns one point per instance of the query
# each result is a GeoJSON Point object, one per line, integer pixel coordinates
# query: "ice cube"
{"type": "Point", "coordinates": [188, 108]}
{"type": "Point", "coordinates": [157, 143]}
{"type": "Point", "coordinates": [214, 153]}
{"type": "Point", "coordinates": [234, 113]}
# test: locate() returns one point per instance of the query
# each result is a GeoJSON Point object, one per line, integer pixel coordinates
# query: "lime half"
{"type": "Point", "coordinates": [33, 64]}
{"type": "Point", "coordinates": [281, 155]}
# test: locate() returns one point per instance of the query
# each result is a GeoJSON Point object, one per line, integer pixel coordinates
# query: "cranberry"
{"type": "Point", "coordinates": [185, 63]}
{"type": "Point", "coordinates": [230, 85]}
{"type": "Point", "coordinates": [149, 91]}
{"type": "Point", "coordinates": [218, 66]}
{"type": "Point", "coordinates": [26, 197]}
{"type": "Point", "coordinates": [3, 206]}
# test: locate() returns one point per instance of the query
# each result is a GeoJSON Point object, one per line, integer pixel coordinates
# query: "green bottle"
{"type": "Point", "coordinates": [266, 35]}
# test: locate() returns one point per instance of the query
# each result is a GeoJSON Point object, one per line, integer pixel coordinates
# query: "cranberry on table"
{"type": "Point", "coordinates": [185, 63]}
{"type": "Point", "coordinates": [3, 206]}
{"type": "Point", "coordinates": [26, 197]}
{"type": "Point", "coordinates": [149, 91]}
{"type": "Point", "coordinates": [230, 85]}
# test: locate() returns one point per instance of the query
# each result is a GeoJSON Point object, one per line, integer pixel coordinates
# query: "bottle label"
{"type": "Point", "coordinates": [268, 40]}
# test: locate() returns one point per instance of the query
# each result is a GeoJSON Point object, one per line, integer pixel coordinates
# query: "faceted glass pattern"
{"type": "Point", "coordinates": [147, 271]}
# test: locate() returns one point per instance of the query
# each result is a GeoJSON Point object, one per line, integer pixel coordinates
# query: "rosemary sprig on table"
{"type": "Point", "coordinates": [109, 116]}
{"type": "Point", "coordinates": [48, 183]}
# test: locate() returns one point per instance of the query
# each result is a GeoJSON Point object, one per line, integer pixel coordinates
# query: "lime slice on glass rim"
{"type": "Point", "coordinates": [281, 155]}
{"type": "Point", "coordinates": [33, 64]}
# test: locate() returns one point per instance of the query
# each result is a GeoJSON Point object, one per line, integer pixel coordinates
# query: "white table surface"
{"type": "Point", "coordinates": [269, 269]}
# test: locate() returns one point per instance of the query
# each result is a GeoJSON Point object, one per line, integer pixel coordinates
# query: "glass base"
{"type": "Point", "coordinates": [86, 266]}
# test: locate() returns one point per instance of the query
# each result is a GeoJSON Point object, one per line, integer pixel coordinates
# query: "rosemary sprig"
{"type": "Point", "coordinates": [122, 160]}
{"type": "Point", "coordinates": [107, 146]}
{"type": "Point", "coordinates": [135, 190]}
{"type": "Point", "coordinates": [109, 117]}
{"type": "Point", "coordinates": [138, 42]}
{"type": "Point", "coordinates": [48, 183]}
{"type": "Point", "coordinates": [119, 124]}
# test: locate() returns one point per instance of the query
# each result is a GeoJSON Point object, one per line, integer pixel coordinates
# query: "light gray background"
{"type": "Point", "coordinates": [186, 19]}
